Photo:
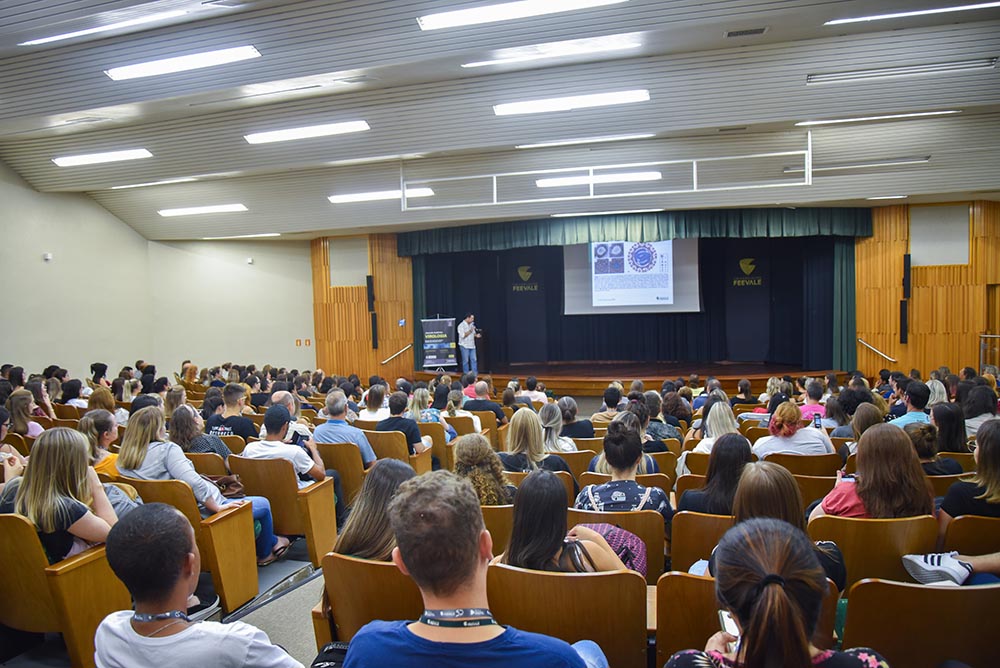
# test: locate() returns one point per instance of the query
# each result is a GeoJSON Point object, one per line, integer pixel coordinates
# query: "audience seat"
{"type": "Point", "coordinates": [578, 461]}
{"type": "Point", "coordinates": [694, 536]}
{"type": "Point", "coordinates": [966, 459]}
{"type": "Point", "coordinates": [686, 482]}
{"type": "Point", "coordinates": [941, 483]}
{"type": "Point", "coordinates": [840, 441]}
{"type": "Point", "coordinates": [257, 419]}
{"type": "Point", "coordinates": [367, 425]}
{"type": "Point", "coordinates": [646, 524]}
{"type": "Point", "coordinates": [811, 465]}
{"type": "Point", "coordinates": [697, 462]}
{"type": "Point", "coordinates": [851, 465]}
{"type": "Point", "coordinates": [973, 535]}
{"type": "Point", "coordinates": [538, 405]}
{"type": "Point", "coordinates": [755, 433]}
{"type": "Point", "coordinates": [358, 591]}
{"type": "Point", "coordinates": [305, 512]}
{"type": "Point", "coordinates": [502, 437]}
{"type": "Point", "coordinates": [235, 443]}
{"type": "Point", "coordinates": [392, 445]}
{"type": "Point", "coordinates": [345, 459]}
{"type": "Point", "coordinates": [207, 463]}
{"type": "Point", "coordinates": [499, 521]}
{"type": "Point", "coordinates": [464, 424]}
{"type": "Point", "coordinates": [487, 420]}
{"type": "Point", "coordinates": [592, 444]}
{"type": "Point", "coordinates": [66, 412]}
{"type": "Point", "coordinates": [45, 422]}
{"type": "Point", "coordinates": [564, 605]}
{"type": "Point", "coordinates": [68, 423]}
{"type": "Point", "coordinates": [517, 477]}
{"type": "Point", "coordinates": [874, 548]}
{"type": "Point", "coordinates": [667, 461]}
{"type": "Point", "coordinates": [814, 487]}
{"type": "Point", "coordinates": [70, 597]}
{"type": "Point", "coordinates": [918, 626]}
{"type": "Point", "coordinates": [509, 412]}
{"type": "Point", "coordinates": [225, 539]}
{"type": "Point", "coordinates": [691, 444]}
{"type": "Point", "coordinates": [18, 442]}
{"type": "Point", "coordinates": [673, 446]}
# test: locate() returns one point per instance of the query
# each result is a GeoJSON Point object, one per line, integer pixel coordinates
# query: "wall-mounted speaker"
{"type": "Point", "coordinates": [904, 320]}
{"type": "Point", "coordinates": [370, 282]}
{"type": "Point", "coordinates": [374, 318]}
{"type": "Point", "coordinates": [906, 276]}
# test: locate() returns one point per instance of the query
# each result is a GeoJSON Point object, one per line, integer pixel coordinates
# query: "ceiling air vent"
{"type": "Point", "coordinates": [749, 32]}
{"type": "Point", "coordinates": [734, 128]}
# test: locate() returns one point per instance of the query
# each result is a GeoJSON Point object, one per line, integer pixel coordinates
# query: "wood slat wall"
{"type": "Point", "coordinates": [948, 305]}
{"type": "Point", "coordinates": [343, 327]}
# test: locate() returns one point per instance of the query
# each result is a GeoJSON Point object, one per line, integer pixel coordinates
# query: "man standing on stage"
{"type": "Point", "coordinates": [467, 336]}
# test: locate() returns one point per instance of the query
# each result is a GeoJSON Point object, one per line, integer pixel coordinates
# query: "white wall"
{"type": "Point", "coordinates": [110, 295]}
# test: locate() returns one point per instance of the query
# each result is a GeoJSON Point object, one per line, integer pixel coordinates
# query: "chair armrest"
{"type": "Point", "coordinates": [316, 508]}
{"type": "Point", "coordinates": [421, 463]}
{"type": "Point", "coordinates": [85, 591]}
{"type": "Point", "coordinates": [229, 554]}
{"type": "Point", "coordinates": [322, 623]}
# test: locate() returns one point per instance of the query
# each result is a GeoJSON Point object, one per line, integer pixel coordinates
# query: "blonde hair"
{"type": "Point", "coordinates": [476, 462]}
{"type": "Point", "coordinates": [721, 421]}
{"type": "Point", "coordinates": [144, 427]}
{"type": "Point", "coordinates": [20, 417]}
{"type": "Point", "coordinates": [773, 386]}
{"type": "Point", "coordinates": [524, 436]}
{"type": "Point", "coordinates": [101, 399]}
{"type": "Point", "coordinates": [131, 388]}
{"type": "Point", "coordinates": [629, 421]}
{"type": "Point", "coordinates": [454, 402]}
{"type": "Point", "coordinates": [176, 396]}
{"type": "Point", "coordinates": [551, 418]}
{"type": "Point", "coordinates": [939, 394]}
{"type": "Point", "coordinates": [419, 402]}
{"type": "Point", "coordinates": [59, 461]}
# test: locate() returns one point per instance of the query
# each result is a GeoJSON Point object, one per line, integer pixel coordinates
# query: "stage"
{"type": "Point", "coordinates": [585, 379]}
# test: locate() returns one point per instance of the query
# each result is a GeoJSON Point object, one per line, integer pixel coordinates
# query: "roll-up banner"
{"type": "Point", "coordinates": [439, 342]}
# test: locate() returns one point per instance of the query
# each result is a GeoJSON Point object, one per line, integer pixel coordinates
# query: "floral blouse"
{"type": "Point", "coordinates": [861, 657]}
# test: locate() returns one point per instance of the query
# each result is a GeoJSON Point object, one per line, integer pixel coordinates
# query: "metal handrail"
{"type": "Point", "coordinates": [408, 346]}
{"type": "Point", "coordinates": [875, 350]}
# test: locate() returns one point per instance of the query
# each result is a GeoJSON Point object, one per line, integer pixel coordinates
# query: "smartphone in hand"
{"type": "Point", "coordinates": [729, 626]}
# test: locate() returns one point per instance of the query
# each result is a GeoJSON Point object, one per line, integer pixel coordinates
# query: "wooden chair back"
{"type": "Point", "coordinates": [973, 535]}
{"type": "Point", "coordinates": [686, 482]}
{"type": "Point", "coordinates": [874, 548]}
{"type": "Point", "coordinates": [24, 563]}
{"type": "Point", "coordinates": [517, 477]}
{"type": "Point", "coordinates": [502, 438]}
{"type": "Point", "coordinates": [345, 459]}
{"type": "Point", "coordinates": [578, 461]}
{"type": "Point", "coordinates": [18, 442]}
{"type": "Point", "coordinates": [941, 483]}
{"type": "Point", "coordinates": [367, 425]}
{"type": "Point", "coordinates": [754, 433]}
{"type": "Point", "coordinates": [592, 444]}
{"type": "Point", "coordinates": [235, 443]}
{"type": "Point", "coordinates": [537, 405]}
{"type": "Point", "coordinates": [68, 423]}
{"type": "Point", "coordinates": [814, 487]}
{"type": "Point", "coordinates": [667, 461]}
{"type": "Point", "coordinates": [646, 524]}
{"type": "Point", "coordinates": [697, 462]}
{"type": "Point", "coordinates": [361, 591]}
{"type": "Point", "coordinates": [673, 445]}
{"type": "Point", "coordinates": [499, 520]}
{"type": "Point", "coordinates": [950, 623]}
{"type": "Point", "coordinates": [207, 463]}
{"type": "Point", "coordinates": [392, 445]}
{"type": "Point", "coordinates": [851, 465]}
{"type": "Point", "coordinates": [739, 409]}
{"type": "Point", "coordinates": [660, 480]}
{"type": "Point", "coordinates": [463, 424]}
{"type": "Point", "coordinates": [488, 420]}
{"type": "Point", "coordinates": [440, 447]}
{"type": "Point", "coordinates": [257, 419]}
{"type": "Point", "coordinates": [691, 444]}
{"type": "Point", "coordinates": [600, 432]}
{"type": "Point", "coordinates": [813, 465]}
{"type": "Point", "coordinates": [966, 459]}
{"type": "Point", "coordinates": [840, 441]}
{"type": "Point", "coordinates": [509, 412]}
{"type": "Point", "coordinates": [684, 425]}
{"type": "Point", "coordinates": [694, 536]}
{"type": "Point", "coordinates": [552, 604]}
{"type": "Point", "coordinates": [66, 412]}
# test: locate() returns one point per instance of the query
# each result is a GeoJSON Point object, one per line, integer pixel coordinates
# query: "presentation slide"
{"type": "Point", "coordinates": [626, 273]}
{"type": "Point", "coordinates": [630, 277]}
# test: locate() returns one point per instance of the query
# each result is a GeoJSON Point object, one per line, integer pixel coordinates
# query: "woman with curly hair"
{"type": "Point", "coordinates": [476, 462]}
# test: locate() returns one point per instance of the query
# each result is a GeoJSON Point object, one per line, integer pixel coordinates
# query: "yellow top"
{"type": "Point", "coordinates": [107, 465]}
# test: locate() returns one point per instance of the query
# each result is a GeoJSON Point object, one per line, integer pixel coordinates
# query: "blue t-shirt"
{"type": "Point", "coordinates": [912, 417]}
{"type": "Point", "coordinates": [392, 644]}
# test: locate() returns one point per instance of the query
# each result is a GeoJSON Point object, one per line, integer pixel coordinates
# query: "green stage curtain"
{"type": "Point", "coordinates": [419, 269]}
{"type": "Point", "coordinates": [845, 351]}
{"type": "Point", "coordinates": [717, 223]}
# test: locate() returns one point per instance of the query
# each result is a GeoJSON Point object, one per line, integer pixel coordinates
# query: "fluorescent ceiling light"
{"type": "Point", "coordinates": [506, 11]}
{"type": "Point", "coordinates": [917, 12]}
{"type": "Point", "coordinates": [380, 195]}
{"type": "Point", "coordinates": [243, 236]}
{"type": "Point", "coordinates": [903, 71]}
{"type": "Point", "coordinates": [307, 132]}
{"type": "Point", "coordinates": [604, 213]}
{"type": "Point", "coordinates": [623, 177]}
{"type": "Point", "coordinates": [889, 197]}
{"type": "Point", "coordinates": [861, 119]}
{"type": "Point", "coordinates": [182, 63]}
{"type": "Point", "coordinates": [889, 162]}
{"type": "Point", "coordinates": [572, 47]}
{"type": "Point", "coordinates": [196, 210]}
{"type": "Point", "coordinates": [377, 158]}
{"type": "Point", "coordinates": [106, 28]}
{"type": "Point", "coordinates": [97, 158]}
{"type": "Point", "coordinates": [587, 140]}
{"type": "Point", "coordinates": [571, 102]}
{"type": "Point", "coordinates": [186, 179]}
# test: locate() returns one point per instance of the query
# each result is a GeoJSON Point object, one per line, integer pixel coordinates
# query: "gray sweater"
{"type": "Point", "coordinates": [166, 461]}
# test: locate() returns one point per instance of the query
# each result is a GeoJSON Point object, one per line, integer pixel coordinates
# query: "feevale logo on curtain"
{"type": "Point", "coordinates": [525, 284]}
{"type": "Point", "coordinates": [749, 267]}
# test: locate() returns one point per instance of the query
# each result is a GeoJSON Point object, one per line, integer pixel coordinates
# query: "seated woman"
{"type": "Point", "coordinates": [72, 394]}
{"type": "Point", "coordinates": [374, 410]}
{"type": "Point", "coordinates": [889, 483]}
{"type": "Point", "coordinates": [177, 396]}
{"type": "Point", "coordinates": [476, 462]}
{"type": "Point", "coordinates": [980, 406]}
{"type": "Point", "coordinates": [12, 461]}
{"type": "Point", "coordinates": [979, 494]}
{"type": "Point", "coordinates": [865, 416]}
{"type": "Point", "coordinates": [950, 423]}
{"type": "Point", "coordinates": [525, 450]}
{"type": "Point", "coordinates": [147, 455]}
{"type": "Point", "coordinates": [20, 404]}
{"type": "Point", "coordinates": [422, 411]}
{"type": "Point", "coordinates": [43, 404]}
{"type": "Point", "coordinates": [454, 409]}
{"type": "Point", "coordinates": [102, 399]}
{"type": "Point", "coordinates": [623, 452]}
{"type": "Point", "coordinates": [743, 395]}
{"type": "Point", "coordinates": [772, 388]}
{"type": "Point", "coordinates": [637, 406]}
{"type": "Point", "coordinates": [367, 533]}
{"type": "Point", "coordinates": [538, 537]}
{"type": "Point", "coordinates": [572, 427]}
{"type": "Point", "coordinates": [835, 416]}
{"type": "Point", "coordinates": [769, 579]}
{"type": "Point", "coordinates": [187, 429]}
{"type": "Point", "coordinates": [599, 464]}
{"type": "Point", "coordinates": [550, 416]}
{"type": "Point", "coordinates": [730, 454]}
{"type": "Point", "coordinates": [699, 428]}
{"type": "Point", "coordinates": [674, 409]}
{"type": "Point", "coordinates": [101, 429]}
{"type": "Point", "coordinates": [924, 438]}
{"type": "Point", "coordinates": [719, 421]}
{"type": "Point", "coordinates": [788, 436]}
{"type": "Point", "coordinates": [62, 495]}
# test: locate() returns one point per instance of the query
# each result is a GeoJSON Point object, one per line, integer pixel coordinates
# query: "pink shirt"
{"type": "Point", "coordinates": [34, 430]}
{"type": "Point", "coordinates": [843, 501]}
{"type": "Point", "coordinates": [809, 409]}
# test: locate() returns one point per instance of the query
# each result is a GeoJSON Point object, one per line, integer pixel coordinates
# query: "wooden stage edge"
{"type": "Point", "coordinates": [589, 379]}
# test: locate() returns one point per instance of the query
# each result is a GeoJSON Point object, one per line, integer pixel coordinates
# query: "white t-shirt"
{"type": "Point", "coordinates": [373, 416]}
{"type": "Point", "coordinates": [235, 645]}
{"type": "Point", "coordinates": [301, 461]}
{"type": "Point", "coordinates": [465, 339]}
{"type": "Point", "coordinates": [806, 441]}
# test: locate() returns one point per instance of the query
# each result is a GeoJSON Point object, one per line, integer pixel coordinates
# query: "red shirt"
{"type": "Point", "coordinates": [843, 501]}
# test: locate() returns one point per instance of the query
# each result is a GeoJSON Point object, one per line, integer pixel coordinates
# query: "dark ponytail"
{"type": "Point", "coordinates": [768, 575]}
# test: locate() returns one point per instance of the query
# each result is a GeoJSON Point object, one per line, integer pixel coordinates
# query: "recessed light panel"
{"type": "Point", "coordinates": [506, 11]}
{"type": "Point", "coordinates": [380, 195]}
{"type": "Point", "coordinates": [142, 20]}
{"type": "Point", "coordinates": [194, 61]}
{"type": "Point", "coordinates": [97, 158]}
{"type": "Point", "coordinates": [571, 102]}
{"type": "Point", "coordinates": [307, 132]}
{"type": "Point", "coordinates": [198, 210]}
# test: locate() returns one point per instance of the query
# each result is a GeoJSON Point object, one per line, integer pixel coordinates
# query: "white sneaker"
{"type": "Point", "coordinates": [937, 567]}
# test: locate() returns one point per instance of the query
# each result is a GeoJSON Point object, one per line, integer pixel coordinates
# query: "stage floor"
{"type": "Point", "coordinates": [590, 378]}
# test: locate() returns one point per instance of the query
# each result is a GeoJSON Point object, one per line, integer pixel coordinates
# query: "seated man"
{"type": "Point", "coordinates": [443, 545]}
{"type": "Point", "coordinates": [531, 391]}
{"type": "Point", "coordinates": [336, 429]}
{"type": "Point", "coordinates": [232, 421]}
{"type": "Point", "coordinates": [812, 406]}
{"type": "Point", "coordinates": [153, 551]}
{"type": "Point", "coordinates": [482, 402]}
{"type": "Point", "coordinates": [415, 443]}
{"type": "Point", "coordinates": [298, 433]}
{"type": "Point", "coordinates": [612, 396]}
{"type": "Point", "coordinates": [304, 457]}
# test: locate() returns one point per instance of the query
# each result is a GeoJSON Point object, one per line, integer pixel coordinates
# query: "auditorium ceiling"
{"type": "Point", "coordinates": [682, 104]}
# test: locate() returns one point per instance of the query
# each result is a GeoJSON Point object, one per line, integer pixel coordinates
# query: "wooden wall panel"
{"type": "Point", "coordinates": [343, 326]}
{"type": "Point", "coordinates": [948, 306]}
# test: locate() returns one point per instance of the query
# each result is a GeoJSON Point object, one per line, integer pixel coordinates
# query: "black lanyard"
{"type": "Point", "coordinates": [173, 614]}
{"type": "Point", "coordinates": [455, 619]}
